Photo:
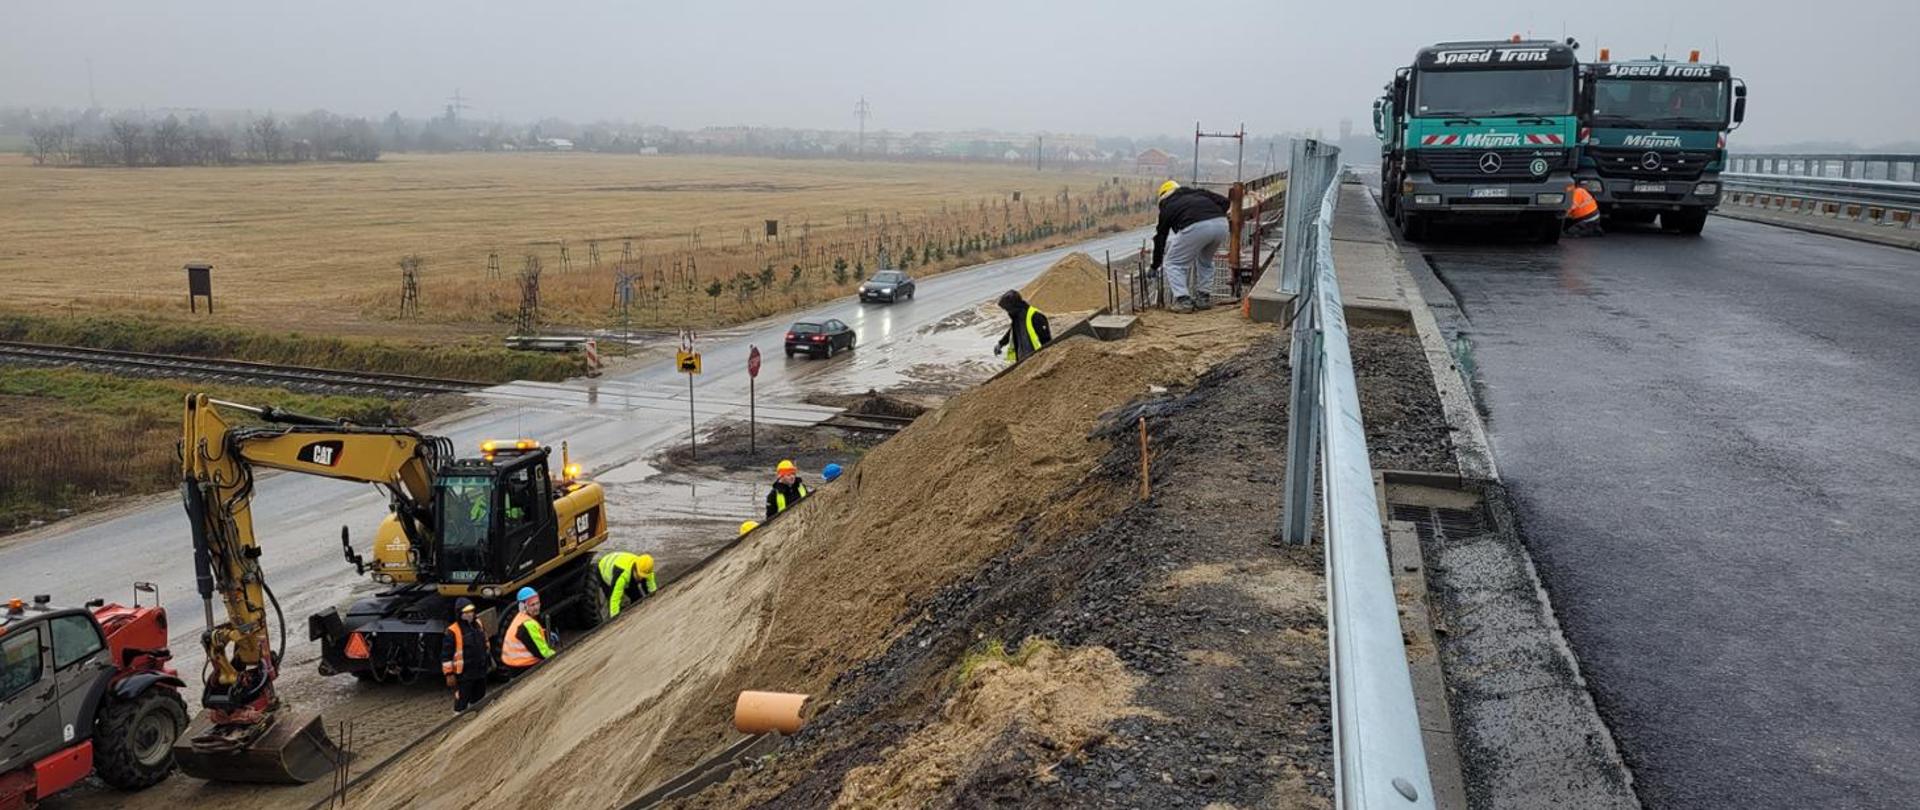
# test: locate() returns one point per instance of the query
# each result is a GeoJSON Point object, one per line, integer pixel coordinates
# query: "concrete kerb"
{"type": "Point", "coordinates": [1907, 238]}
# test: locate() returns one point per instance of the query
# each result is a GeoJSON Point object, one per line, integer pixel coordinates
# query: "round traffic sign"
{"type": "Point", "coordinates": [753, 361]}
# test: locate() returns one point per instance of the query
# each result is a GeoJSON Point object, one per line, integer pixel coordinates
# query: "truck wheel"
{"type": "Point", "coordinates": [1688, 223]}
{"type": "Point", "coordinates": [1414, 227]}
{"type": "Point", "coordinates": [1547, 230]}
{"type": "Point", "coordinates": [591, 610]}
{"type": "Point", "coordinates": [133, 739]}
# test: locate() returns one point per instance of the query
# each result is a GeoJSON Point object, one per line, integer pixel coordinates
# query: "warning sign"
{"type": "Point", "coordinates": [687, 362]}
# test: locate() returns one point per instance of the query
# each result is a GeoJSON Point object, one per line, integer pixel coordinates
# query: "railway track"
{"type": "Point", "coordinates": [205, 369]}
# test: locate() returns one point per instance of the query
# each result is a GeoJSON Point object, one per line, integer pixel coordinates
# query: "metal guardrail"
{"type": "Point", "coordinates": [1379, 757]}
{"type": "Point", "coordinates": [1863, 187]}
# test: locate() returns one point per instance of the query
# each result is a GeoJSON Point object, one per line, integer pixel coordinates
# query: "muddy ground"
{"type": "Point", "coordinates": [1222, 631]}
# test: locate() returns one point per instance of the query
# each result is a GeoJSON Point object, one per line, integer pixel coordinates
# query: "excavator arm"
{"type": "Point", "coordinates": [241, 735]}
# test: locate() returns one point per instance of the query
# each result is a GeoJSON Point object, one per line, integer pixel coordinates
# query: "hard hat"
{"type": "Point", "coordinates": [785, 467]}
{"type": "Point", "coordinates": [1168, 188]}
{"type": "Point", "coordinates": [463, 605]}
{"type": "Point", "coordinates": [526, 593]}
{"type": "Point", "coordinates": [644, 565]}
{"type": "Point", "coordinates": [830, 472]}
{"type": "Point", "coordinates": [749, 526]}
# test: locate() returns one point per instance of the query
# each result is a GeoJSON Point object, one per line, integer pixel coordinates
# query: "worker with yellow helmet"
{"type": "Point", "coordinates": [624, 574]}
{"type": "Point", "coordinates": [748, 526]}
{"type": "Point", "coordinates": [1192, 227]}
{"type": "Point", "coordinates": [787, 489]}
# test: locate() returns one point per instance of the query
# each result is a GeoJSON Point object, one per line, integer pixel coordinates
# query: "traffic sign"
{"type": "Point", "coordinates": [753, 361]}
{"type": "Point", "coordinates": [687, 362]}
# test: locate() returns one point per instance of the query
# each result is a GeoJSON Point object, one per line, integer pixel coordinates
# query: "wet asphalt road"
{"type": "Point", "coordinates": [613, 426]}
{"type": "Point", "coordinates": [1712, 443]}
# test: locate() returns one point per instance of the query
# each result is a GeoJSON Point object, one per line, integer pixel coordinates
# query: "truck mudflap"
{"type": "Point", "coordinates": [294, 749]}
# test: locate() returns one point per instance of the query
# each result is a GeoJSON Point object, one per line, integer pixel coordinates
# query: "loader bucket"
{"type": "Point", "coordinates": [294, 750]}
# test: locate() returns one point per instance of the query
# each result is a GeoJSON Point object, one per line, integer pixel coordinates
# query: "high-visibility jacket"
{"type": "Point", "coordinates": [1024, 342]}
{"type": "Point", "coordinates": [456, 657]}
{"type": "Point", "coordinates": [620, 571]}
{"type": "Point", "coordinates": [1584, 206]}
{"type": "Point", "coordinates": [777, 498]}
{"type": "Point", "coordinates": [525, 643]}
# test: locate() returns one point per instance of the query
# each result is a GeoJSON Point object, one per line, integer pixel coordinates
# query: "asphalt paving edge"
{"type": "Point", "coordinates": [1555, 750]}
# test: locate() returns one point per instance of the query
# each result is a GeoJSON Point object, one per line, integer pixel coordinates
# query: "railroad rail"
{"type": "Point", "coordinates": [207, 369]}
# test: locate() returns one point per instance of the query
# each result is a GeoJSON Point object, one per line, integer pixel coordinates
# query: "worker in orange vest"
{"type": "Point", "coordinates": [1583, 218]}
{"type": "Point", "coordinates": [526, 642]}
{"type": "Point", "coordinates": [465, 657]}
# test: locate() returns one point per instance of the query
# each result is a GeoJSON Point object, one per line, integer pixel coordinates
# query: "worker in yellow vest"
{"type": "Point", "coordinates": [526, 643]}
{"type": "Point", "coordinates": [787, 489]}
{"type": "Point", "coordinates": [1027, 329]}
{"type": "Point", "coordinates": [624, 573]}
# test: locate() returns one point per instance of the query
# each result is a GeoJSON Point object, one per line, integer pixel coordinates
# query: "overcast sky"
{"type": "Point", "coordinates": [1114, 67]}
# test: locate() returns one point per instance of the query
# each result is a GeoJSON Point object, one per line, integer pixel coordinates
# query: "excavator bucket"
{"type": "Point", "coordinates": [295, 750]}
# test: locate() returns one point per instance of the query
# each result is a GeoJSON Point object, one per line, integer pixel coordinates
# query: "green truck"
{"type": "Point", "coordinates": [1653, 138]}
{"type": "Point", "coordinates": [1480, 131]}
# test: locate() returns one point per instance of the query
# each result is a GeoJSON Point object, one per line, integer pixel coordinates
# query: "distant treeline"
{"type": "Point", "coordinates": [197, 141]}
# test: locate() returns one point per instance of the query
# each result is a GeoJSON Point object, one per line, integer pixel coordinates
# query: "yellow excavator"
{"type": "Point", "coordinates": [479, 527]}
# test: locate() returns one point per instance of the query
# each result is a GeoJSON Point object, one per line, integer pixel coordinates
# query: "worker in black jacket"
{"type": "Point", "coordinates": [788, 490]}
{"type": "Point", "coordinates": [465, 657]}
{"type": "Point", "coordinates": [1027, 328]}
{"type": "Point", "coordinates": [1192, 227]}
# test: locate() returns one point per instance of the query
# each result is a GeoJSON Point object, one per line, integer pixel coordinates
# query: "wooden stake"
{"type": "Point", "coordinates": [1146, 485]}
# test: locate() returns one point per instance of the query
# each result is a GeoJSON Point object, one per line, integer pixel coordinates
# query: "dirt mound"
{"type": "Point", "coordinates": [872, 402]}
{"type": "Point", "coordinates": [813, 593]}
{"type": "Point", "coordinates": [1052, 701]}
{"type": "Point", "coordinates": [1076, 283]}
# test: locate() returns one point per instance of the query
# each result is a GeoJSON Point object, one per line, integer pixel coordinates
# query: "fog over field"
{"type": "Point", "coordinates": [1111, 67]}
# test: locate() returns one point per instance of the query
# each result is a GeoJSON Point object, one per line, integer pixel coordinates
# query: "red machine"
{"type": "Point", "coordinates": [85, 691]}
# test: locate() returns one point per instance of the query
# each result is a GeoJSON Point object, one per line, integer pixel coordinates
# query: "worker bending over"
{"type": "Point", "coordinates": [465, 657]}
{"type": "Point", "coordinates": [1192, 227]}
{"type": "Point", "coordinates": [1027, 328]}
{"type": "Point", "coordinates": [625, 574]}
{"type": "Point", "coordinates": [526, 641]}
{"type": "Point", "coordinates": [787, 489]}
{"type": "Point", "coordinates": [1583, 216]}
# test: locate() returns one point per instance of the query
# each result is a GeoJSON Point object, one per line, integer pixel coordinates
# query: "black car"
{"type": "Point", "coordinates": [888, 286]}
{"type": "Point", "coordinates": [819, 338]}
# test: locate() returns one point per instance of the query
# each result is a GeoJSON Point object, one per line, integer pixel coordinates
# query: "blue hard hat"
{"type": "Point", "coordinates": [526, 593]}
{"type": "Point", "coordinates": [831, 472]}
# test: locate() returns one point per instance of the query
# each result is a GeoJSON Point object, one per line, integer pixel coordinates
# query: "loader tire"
{"type": "Point", "coordinates": [591, 610]}
{"type": "Point", "coordinates": [133, 739]}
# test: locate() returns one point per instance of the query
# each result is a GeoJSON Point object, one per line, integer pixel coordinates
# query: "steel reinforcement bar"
{"type": "Point", "coordinates": [299, 378]}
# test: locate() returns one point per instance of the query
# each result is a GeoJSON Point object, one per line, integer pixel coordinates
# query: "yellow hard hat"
{"type": "Point", "coordinates": [1168, 188]}
{"type": "Point", "coordinates": [749, 526]}
{"type": "Point", "coordinates": [644, 565]}
{"type": "Point", "coordinates": [785, 467]}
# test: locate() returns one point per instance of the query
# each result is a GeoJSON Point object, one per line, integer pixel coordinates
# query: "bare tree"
{"type": "Point", "coordinates": [127, 140]}
{"type": "Point", "coordinates": [265, 139]}
{"type": "Point", "coordinates": [46, 143]}
{"type": "Point", "coordinates": [168, 143]}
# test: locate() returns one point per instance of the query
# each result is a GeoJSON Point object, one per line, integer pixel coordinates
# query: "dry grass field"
{"type": "Point", "coordinates": [316, 248]}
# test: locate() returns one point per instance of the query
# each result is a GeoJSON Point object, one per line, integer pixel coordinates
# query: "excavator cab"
{"type": "Point", "coordinates": [496, 519]}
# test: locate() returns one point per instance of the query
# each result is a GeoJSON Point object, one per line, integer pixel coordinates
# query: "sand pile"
{"type": "Point", "coordinates": [1076, 283]}
{"type": "Point", "coordinates": [811, 594]}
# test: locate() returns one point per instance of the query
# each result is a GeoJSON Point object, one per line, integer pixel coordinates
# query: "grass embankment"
{"type": "Point", "coordinates": [468, 361]}
{"type": "Point", "coordinates": [73, 440]}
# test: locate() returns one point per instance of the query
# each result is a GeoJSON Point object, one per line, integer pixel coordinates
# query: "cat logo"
{"type": "Point", "coordinates": [323, 454]}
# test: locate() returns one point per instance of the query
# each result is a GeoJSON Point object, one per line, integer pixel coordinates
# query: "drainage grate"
{"type": "Point", "coordinates": [1433, 522]}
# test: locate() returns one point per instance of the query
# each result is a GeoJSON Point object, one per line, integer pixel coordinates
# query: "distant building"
{"type": "Point", "coordinates": [1153, 163]}
{"type": "Point", "coordinates": [557, 144]}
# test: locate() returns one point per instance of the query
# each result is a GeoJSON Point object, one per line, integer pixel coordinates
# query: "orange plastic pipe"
{"type": "Point", "coordinates": [763, 712]}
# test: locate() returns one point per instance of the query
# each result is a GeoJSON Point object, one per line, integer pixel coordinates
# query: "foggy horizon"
{"type": "Point", "coordinates": [1117, 69]}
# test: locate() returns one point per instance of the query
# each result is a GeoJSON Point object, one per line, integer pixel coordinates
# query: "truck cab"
{"type": "Point", "coordinates": [1654, 138]}
{"type": "Point", "coordinates": [1480, 131]}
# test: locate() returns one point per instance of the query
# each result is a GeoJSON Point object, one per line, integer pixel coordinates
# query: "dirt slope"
{"type": "Point", "coordinates": [813, 593]}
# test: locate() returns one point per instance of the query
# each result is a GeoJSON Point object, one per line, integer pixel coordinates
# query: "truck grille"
{"type": "Point", "coordinates": [1650, 164]}
{"type": "Point", "coordinates": [1464, 165]}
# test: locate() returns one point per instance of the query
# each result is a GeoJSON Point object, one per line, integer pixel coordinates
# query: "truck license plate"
{"type": "Point", "coordinates": [1650, 188]}
{"type": "Point", "coordinates": [1482, 192]}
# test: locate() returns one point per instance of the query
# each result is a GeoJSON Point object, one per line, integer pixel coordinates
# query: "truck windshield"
{"type": "Point", "coordinates": [1494, 93]}
{"type": "Point", "coordinates": [466, 516]}
{"type": "Point", "coordinates": [1645, 102]}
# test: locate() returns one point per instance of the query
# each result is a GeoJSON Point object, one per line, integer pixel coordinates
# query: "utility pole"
{"type": "Point", "coordinates": [862, 111]}
{"type": "Point", "coordinates": [93, 101]}
{"type": "Point", "coordinates": [456, 103]}
{"type": "Point", "coordinates": [1039, 149]}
